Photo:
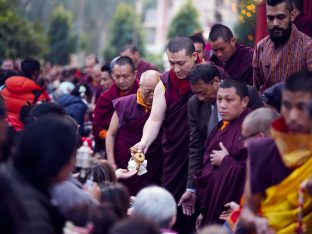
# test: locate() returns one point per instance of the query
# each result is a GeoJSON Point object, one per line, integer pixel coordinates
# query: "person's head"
{"type": "Point", "coordinates": [156, 204]}
{"type": "Point", "coordinates": [101, 172]}
{"type": "Point", "coordinates": [7, 64]}
{"type": "Point", "coordinates": [205, 82]}
{"type": "Point", "coordinates": [134, 225]}
{"type": "Point", "coordinates": [96, 73]}
{"type": "Point", "coordinates": [181, 56]}
{"type": "Point", "coordinates": [149, 80]}
{"type": "Point", "coordinates": [222, 42]}
{"type": "Point", "coordinates": [45, 153]}
{"type": "Point", "coordinates": [41, 110]}
{"type": "Point", "coordinates": [258, 123]}
{"type": "Point", "coordinates": [11, 212]}
{"type": "Point", "coordinates": [296, 97]}
{"type": "Point", "coordinates": [298, 7]}
{"type": "Point", "coordinates": [118, 196]}
{"type": "Point", "coordinates": [90, 61]}
{"type": "Point", "coordinates": [272, 97]}
{"type": "Point", "coordinates": [132, 52]}
{"type": "Point", "coordinates": [31, 68]}
{"type": "Point", "coordinates": [199, 45]}
{"type": "Point", "coordinates": [101, 217]}
{"type": "Point", "coordinates": [83, 91]}
{"type": "Point", "coordinates": [124, 73]}
{"type": "Point", "coordinates": [279, 15]}
{"type": "Point", "coordinates": [232, 99]}
{"type": "Point", "coordinates": [106, 77]}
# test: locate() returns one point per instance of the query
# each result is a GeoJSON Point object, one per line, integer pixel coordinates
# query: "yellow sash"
{"type": "Point", "coordinates": [280, 205]}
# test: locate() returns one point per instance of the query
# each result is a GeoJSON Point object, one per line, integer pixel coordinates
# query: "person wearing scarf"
{"type": "Point", "coordinates": [126, 127]}
{"type": "Point", "coordinates": [280, 167]}
{"type": "Point", "coordinates": [125, 83]}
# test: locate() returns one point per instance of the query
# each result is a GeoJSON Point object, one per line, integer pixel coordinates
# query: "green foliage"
{"type": "Point", "coordinates": [19, 38]}
{"type": "Point", "coordinates": [185, 22]}
{"type": "Point", "coordinates": [61, 38]}
{"type": "Point", "coordinates": [246, 27]}
{"type": "Point", "coordinates": [125, 29]}
{"type": "Point", "coordinates": [155, 59]}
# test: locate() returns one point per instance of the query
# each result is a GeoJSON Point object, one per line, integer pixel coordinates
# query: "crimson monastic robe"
{"type": "Point", "coordinates": [144, 66]}
{"type": "Point", "coordinates": [239, 65]}
{"type": "Point", "coordinates": [104, 110]}
{"type": "Point", "coordinates": [218, 185]}
{"type": "Point", "coordinates": [132, 118]}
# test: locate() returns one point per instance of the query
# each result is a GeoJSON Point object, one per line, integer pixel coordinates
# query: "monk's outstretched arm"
{"type": "Point", "coordinates": [249, 218]}
{"type": "Point", "coordinates": [110, 139]}
{"type": "Point", "coordinates": [154, 122]}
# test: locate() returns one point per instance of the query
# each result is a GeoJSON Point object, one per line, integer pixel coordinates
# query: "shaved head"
{"type": "Point", "coordinates": [148, 82]}
{"type": "Point", "coordinates": [96, 72]}
{"type": "Point", "coordinates": [150, 77]}
{"type": "Point", "coordinates": [259, 121]}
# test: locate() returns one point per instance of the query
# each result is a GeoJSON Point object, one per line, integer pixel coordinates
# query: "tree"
{"type": "Point", "coordinates": [245, 29]}
{"type": "Point", "coordinates": [19, 38]}
{"type": "Point", "coordinates": [63, 42]}
{"type": "Point", "coordinates": [125, 29]}
{"type": "Point", "coordinates": [185, 22]}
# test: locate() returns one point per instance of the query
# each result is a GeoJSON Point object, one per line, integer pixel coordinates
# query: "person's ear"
{"type": "Point", "coordinates": [135, 73]}
{"type": "Point", "coordinates": [292, 15]}
{"type": "Point", "coordinates": [195, 56]}
{"type": "Point", "coordinates": [245, 102]}
{"type": "Point", "coordinates": [233, 41]}
{"type": "Point", "coordinates": [173, 221]}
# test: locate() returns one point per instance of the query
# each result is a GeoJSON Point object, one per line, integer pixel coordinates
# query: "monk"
{"type": "Point", "coordinates": [205, 80]}
{"type": "Point", "coordinates": [169, 110]}
{"type": "Point", "coordinates": [233, 57]}
{"type": "Point", "coordinates": [141, 65]}
{"type": "Point", "coordinates": [124, 75]}
{"type": "Point", "coordinates": [222, 177]}
{"type": "Point", "coordinates": [279, 165]}
{"type": "Point", "coordinates": [125, 129]}
{"type": "Point", "coordinates": [302, 21]}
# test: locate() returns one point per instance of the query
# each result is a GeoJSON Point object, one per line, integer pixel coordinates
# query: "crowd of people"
{"type": "Point", "coordinates": [225, 135]}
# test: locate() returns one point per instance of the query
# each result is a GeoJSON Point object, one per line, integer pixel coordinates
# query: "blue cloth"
{"type": "Point", "coordinates": [75, 107]}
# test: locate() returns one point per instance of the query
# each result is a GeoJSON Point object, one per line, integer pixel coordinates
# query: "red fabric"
{"type": "Point", "coordinates": [104, 109]}
{"type": "Point", "coordinates": [183, 85]}
{"type": "Point", "coordinates": [15, 123]}
{"type": "Point", "coordinates": [261, 24]}
{"type": "Point", "coordinates": [280, 125]}
{"type": "Point", "coordinates": [18, 91]}
{"type": "Point", "coordinates": [308, 7]}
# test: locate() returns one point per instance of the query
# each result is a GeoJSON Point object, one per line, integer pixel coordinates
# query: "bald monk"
{"type": "Point", "coordinates": [125, 129]}
{"type": "Point", "coordinates": [124, 75]}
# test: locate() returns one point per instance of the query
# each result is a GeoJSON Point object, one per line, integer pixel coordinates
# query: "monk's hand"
{"type": "Point", "coordinates": [124, 173]}
{"type": "Point", "coordinates": [231, 206]}
{"type": "Point", "coordinates": [199, 221]}
{"type": "Point", "coordinates": [140, 147]}
{"type": "Point", "coordinates": [187, 202]}
{"type": "Point", "coordinates": [217, 156]}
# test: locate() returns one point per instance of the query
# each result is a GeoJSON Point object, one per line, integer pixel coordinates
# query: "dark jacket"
{"type": "Point", "coordinates": [198, 118]}
{"type": "Point", "coordinates": [75, 107]}
{"type": "Point", "coordinates": [39, 215]}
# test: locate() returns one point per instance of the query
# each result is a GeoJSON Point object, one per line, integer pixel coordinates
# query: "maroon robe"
{"type": "Point", "coordinates": [266, 165]}
{"type": "Point", "coordinates": [304, 24]}
{"type": "Point", "coordinates": [218, 185]}
{"type": "Point", "coordinates": [175, 141]}
{"type": "Point", "coordinates": [132, 118]}
{"type": "Point", "coordinates": [239, 65]}
{"type": "Point", "coordinates": [104, 110]}
{"type": "Point", "coordinates": [144, 66]}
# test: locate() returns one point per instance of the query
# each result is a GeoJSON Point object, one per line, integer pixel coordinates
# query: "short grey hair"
{"type": "Point", "coordinates": [156, 204]}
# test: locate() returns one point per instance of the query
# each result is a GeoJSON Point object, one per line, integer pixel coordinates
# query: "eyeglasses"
{"type": "Point", "coordinates": [244, 138]}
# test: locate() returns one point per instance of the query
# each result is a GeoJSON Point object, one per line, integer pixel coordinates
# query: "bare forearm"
{"type": "Point", "coordinates": [110, 145]}
{"type": "Point", "coordinates": [150, 131]}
